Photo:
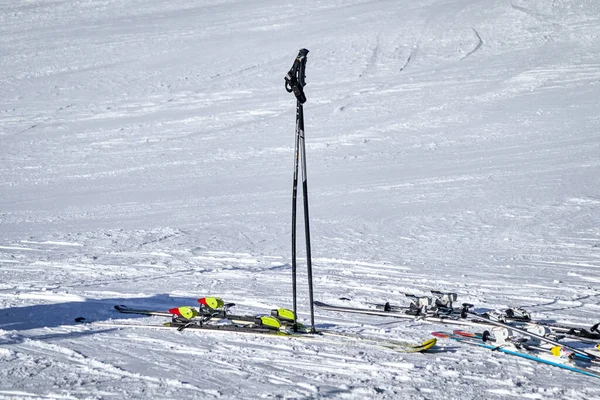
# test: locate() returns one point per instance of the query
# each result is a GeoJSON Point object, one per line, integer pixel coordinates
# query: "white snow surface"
{"type": "Point", "coordinates": [146, 158]}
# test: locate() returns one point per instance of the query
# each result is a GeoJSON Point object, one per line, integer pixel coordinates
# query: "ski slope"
{"type": "Point", "coordinates": [146, 154]}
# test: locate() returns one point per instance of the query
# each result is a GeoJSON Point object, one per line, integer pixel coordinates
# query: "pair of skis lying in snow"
{"type": "Point", "coordinates": [512, 332]}
{"type": "Point", "coordinates": [213, 315]}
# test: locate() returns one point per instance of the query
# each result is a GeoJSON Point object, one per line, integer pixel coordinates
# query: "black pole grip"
{"type": "Point", "coordinates": [295, 80]}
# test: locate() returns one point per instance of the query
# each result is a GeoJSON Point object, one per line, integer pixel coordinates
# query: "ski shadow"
{"type": "Point", "coordinates": [20, 323]}
{"type": "Point", "coordinates": [443, 348]}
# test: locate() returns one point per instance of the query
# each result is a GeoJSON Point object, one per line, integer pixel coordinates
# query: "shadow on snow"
{"type": "Point", "coordinates": [64, 315]}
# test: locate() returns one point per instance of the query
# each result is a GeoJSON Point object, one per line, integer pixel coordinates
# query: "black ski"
{"type": "Point", "coordinates": [405, 314]}
{"type": "Point", "coordinates": [205, 315]}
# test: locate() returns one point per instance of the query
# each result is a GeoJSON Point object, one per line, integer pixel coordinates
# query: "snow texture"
{"type": "Point", "coordinates": [146, 154]}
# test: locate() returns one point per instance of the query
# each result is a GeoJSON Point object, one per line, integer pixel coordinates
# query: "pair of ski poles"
{"type": "Point", "coordinates": [294, 83]}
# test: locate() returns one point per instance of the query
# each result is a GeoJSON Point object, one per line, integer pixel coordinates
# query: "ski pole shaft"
{"type": "Point", "coordinates": [306, 221]}
{"type": "Point", "coordinates": [294, 207]}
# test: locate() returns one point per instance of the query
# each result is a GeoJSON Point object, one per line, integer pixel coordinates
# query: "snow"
{"type": "Point", "coordinates": [146, 159]}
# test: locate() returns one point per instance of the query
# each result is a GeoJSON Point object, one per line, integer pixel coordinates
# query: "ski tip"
{"type": "Point", "coordinates": [429, 343]}
{"type": "Point", "coordinates": [422, 347]}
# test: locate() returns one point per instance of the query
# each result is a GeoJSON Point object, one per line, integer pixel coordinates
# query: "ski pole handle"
{"type": "Point", "coordinates": [295, 80]}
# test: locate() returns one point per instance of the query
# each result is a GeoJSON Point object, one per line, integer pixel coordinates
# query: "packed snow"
{"type": "Point", "coordinates": [147, 159]}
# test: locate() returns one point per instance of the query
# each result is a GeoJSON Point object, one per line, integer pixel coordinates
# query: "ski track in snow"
{"type": "Point", "coordinates": [146, 155]}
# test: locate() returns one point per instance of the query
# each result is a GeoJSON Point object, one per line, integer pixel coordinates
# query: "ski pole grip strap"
{"type": "Point", "coordinates": [295, 78]}
{"type": "Point", "coordinates": [299, 93]}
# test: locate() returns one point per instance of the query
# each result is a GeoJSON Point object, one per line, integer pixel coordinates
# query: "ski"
{"type": "Point", "coordinates": [444, 319]}
{"type": "Point", "coordinates": [192, 325]}
{"type": "Point", "coordinates": [192, 315]}
{"type": "Point", "coordinates": [207, 306]}
{"type": "Point", "coordinates": [404, 347]}
{"type": "Point", "coordinates": [525, 343]}
{"type": "Point", "coordinates": [418, 307]}
{"type": "Point", "coordinates": [235, 326]}
{"type": "Point", "coordinates": [128, 310]}
{"type": "Point", "coordinates": [203, 317]}
{"type": "Point", "coordinates": [442, 305]}
{"type": "Point", "coordinates": [520, 316]}
{"type": "Point", "coordinates": [513, 351]}
{"type": "Point", "coordinates": [305, 334]}
{"type": "Point", "coordinates": [541, 337]}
